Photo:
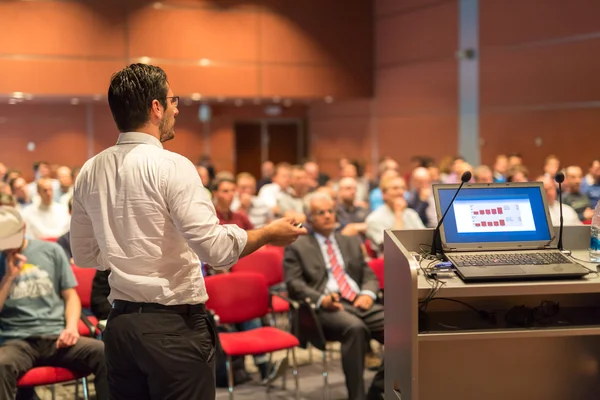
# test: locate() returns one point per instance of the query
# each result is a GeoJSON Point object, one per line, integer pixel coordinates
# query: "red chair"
{"type": "Point", "coordinates": [376, 265]}
{"type": "Point", "coordinates": [587, 222]}
{"type": "Point", "coordinates": [50, 239]}
{"type": "Point", "coordinates": [240, 297]}
{"type": "Point", "coordinates": [88, 324]}
{"type": "Point", "coordinates": [370, 251]}
{"type": "Point", "coordinates": [267, 262]}
{"type": "Point", "coordinates": [42, 376]}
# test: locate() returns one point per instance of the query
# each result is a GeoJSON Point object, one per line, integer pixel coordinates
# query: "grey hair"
{"type": "Point", "coordinates": [309, 198]}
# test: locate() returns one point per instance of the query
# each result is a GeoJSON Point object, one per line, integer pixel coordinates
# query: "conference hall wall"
{"type": "Point", "coordinates": [260, 50]}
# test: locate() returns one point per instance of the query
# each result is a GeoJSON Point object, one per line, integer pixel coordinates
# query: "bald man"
{"type": "Point", "coordinates": [420, 198]}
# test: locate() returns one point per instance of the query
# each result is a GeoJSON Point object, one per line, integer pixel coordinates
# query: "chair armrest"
{"type": "Point", "coordinates": [93, 329]}
{"type": "Point", "coordinates": [293, 304]}
{"type": "Point", "coordinates": [306, 324]}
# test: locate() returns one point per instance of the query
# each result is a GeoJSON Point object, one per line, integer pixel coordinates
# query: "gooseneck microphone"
{"type": "Point", "coordinates": [560, 178]}
{"type": "Point", "coordinates": [436, 245]}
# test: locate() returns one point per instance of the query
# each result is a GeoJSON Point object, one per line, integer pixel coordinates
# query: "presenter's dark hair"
{"type": "Point", "coordinates": [131, 93]}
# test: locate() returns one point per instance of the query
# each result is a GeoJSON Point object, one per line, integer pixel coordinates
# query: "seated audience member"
{"type": "Point", "coordinates": [267, 170]}
{"type": "Point", "coordinates": [514, 160]}
{"type": "Point", "coordinates": [551, 166]}
{"type": "Point", "coordinates": [19, 189]}
{"type": "Point", "coordinates": [376, 196]}
{"type": "Point", "coordinates": [43, 170]}
{"type": "Point", "coordinates": [518, 173]}
{"type": "Point", "coordinates": [591, 186]}
{"type": "Point", "coordinates": [315, 176]}
{"type": "Point", "coordinates": [350, 216]}
{"type": "Point", "coordinates": [329, 269]}
{"type": "Point", "coordinates": [456, 168]}
{"type": "Point", "coordinates": [353, 170]}
{"type": "Point", "coordinates": [572, 195]}
{"type": "Point", "coordinates": [5, 188]}
{"type": "Point", "coordinates": [40, 311]}
{"type": "Point", "coordinates": [289, 203]}
{"type": "Point", "coordinates": [64, 175]}
{"type": "Point", "coordinates": [246, 201]}
{"type": "Point", "coordinates": [569, 215]}
{"type": "Point", "coordinates": [420, 198]}
{"type": "Point", "coordinates": [394, 214]}
{"type": "Point", "coordinates": [483, 174]}
{"type": "Point", "coordinates": [500, 168]}
{"type": "Point", "coordinates": [269, 193]}
{"type": "Point", "coordinates": [3, 172]}
{"type": "Point", "coordinates": [12, 174]}
{"type": "Point", "coordinates": [48, 219]}
{"type": "Point", "coordinates": [223, 192]}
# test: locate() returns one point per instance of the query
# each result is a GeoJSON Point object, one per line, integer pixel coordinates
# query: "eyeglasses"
{"type": "Point", "coordinates": [174, 100]}
{"type": "Point", "coordinates": [323, 212]}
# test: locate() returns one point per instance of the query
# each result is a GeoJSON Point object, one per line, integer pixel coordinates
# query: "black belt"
{"type": "Point", "coordinates": [128, 307]}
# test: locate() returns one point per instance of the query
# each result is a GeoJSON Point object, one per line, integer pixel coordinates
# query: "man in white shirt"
{"type": "Point", "coordinates": [269, 193]}
{"type": "Point", "coordinates": [46, 219]}
{"type": "Point", "coordinates": [394, 214]}
{"type": "Point", "coordinates": [142, 212]}
{"type": "Point", "coordinates": [570, 216]}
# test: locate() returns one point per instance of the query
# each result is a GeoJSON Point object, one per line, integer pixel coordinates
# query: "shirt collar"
{"type": "Point", "coordinates": [321, 239]}
{"type": "Point", "coordinates": [138, 138]}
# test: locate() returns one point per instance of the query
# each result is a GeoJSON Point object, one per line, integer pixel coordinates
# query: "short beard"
{"type": "Point", "coordinates": [164, 131]}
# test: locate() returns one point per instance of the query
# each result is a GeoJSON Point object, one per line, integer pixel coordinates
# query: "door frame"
{"type": "Point", "coordinates": [264, 136]}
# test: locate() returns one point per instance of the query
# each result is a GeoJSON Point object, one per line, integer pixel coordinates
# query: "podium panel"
{"type": "Point", "coordinates": [533, 340]}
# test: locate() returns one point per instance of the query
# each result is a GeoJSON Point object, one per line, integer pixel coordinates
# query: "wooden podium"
{"type": "Point", "coordinates": [459, 355]}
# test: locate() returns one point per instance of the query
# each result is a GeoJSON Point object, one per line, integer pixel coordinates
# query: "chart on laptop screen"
{"type": "Point", "coordinates": [473, 216]}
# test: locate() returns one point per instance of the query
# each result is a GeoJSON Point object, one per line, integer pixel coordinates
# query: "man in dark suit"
{"type": "Point", "coordinates": [330, 270]}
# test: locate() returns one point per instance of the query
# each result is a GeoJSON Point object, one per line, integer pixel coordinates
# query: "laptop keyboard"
{"type": "Point", "coordinates": [479, 260]}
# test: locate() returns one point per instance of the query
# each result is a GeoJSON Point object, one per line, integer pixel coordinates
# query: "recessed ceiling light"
{"type": "Point", "coordinates": [204, 62]}
{"type": "Point", "coordinates": [97, 97]}
{"type": "Point", "coordinates": [328, 99]}
{"type": "Point", "coordinates": [145, 60]}
{"type": "Point", "coordinates": [18, 95]}
{"type": "Point", "coordinates": [74, 101]}
{"type": "Point", "coordinates": [196, 96]}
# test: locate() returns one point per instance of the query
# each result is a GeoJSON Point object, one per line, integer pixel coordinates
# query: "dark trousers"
{"type": "Point", "coordinates": [160, 352]}
{"type": "Point", "coordinates": [19, 356]}
{"type": "Point", "coordinates": [354, 328]}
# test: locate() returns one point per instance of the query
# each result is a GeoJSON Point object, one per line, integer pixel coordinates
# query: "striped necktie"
{"type": "Point", "coordinates": [339, 274]}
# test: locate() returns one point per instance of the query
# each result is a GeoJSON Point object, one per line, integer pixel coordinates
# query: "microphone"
{"type": "Point", "coordinates": [436, 245]}
{"type": "Point", "coordinates": [560, 178]}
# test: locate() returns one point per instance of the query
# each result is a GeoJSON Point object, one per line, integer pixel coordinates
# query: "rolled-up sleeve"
{"type": "Point", "coordinates": [194, 216]}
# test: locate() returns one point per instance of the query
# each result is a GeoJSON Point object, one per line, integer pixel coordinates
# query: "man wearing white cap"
{"type": "Point", "coordinates": [40, 310]}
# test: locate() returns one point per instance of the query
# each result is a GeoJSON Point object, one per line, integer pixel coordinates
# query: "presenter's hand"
{"type": "Point", "coordinates": [363, 302]}
{"type": "Point", "coordinates": [282, 232]}
{"type": "Point", "coordinates": [67, 338]}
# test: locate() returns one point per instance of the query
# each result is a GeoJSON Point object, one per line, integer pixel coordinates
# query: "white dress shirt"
{"type": "Point", "coordinates": [570, 216]}
{"type": "Point", "coordinates": [269, 194]}
{"type": "Point", "coordinates": [142, 212]}
{"type": "Point", "coordinates": [44, 222]}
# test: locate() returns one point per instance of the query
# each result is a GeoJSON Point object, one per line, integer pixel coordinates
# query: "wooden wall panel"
{"type": "Point", "coordinates": [418, 88]}
{"type": "Point", "coordinates": [512, 22]}
{"type": "Point", "coordinates": [192, 34]}
{"type": "Point", "coordinates": [57, 77]}
{"type": "Point", "coordinates": [83, 29]}
{"type": "Point", "coordinates": [427, 135]}
{"type": "Point", "coordinates": [386, 7]}
{"type": "Point", "coordinates": [53, 129]}
{"type": "Point", "coordinates": [417, 36]}
{"type": "Point", "coordinates": [55, 40]}
{"type": "Point", "coordinates": [565, 72]}
{"type": "Point", "coordinates": [572, 135]}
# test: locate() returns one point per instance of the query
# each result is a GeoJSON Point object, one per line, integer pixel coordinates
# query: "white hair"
{"type": "Point", "coordinates": [309, 198]}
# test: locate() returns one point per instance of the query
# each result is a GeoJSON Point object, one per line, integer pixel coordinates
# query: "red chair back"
{"type": "Point", "coordinates": [587, 222]}
{"type": "Point", "coordinates": [50, 239]}
{"type": "Point", "coordinates": [84, 277]}
{"type": "Point", "coordinates": [237, 297]}
{"type": "Point", "coordinates": [265, 261]}
{"type": "Point", "coordinates": [370, 250]}
{"type": "Point", "coordinates": [377, 266]}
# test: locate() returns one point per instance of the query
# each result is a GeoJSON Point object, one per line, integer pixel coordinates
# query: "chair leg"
{"type": "Point", "coordinates": [284, 377]}
{"type": "Point", "coordinates": [84, 385]}
{"type": "Point", "coordinates": [295, 373]}
{"type": "Point", "coordinates": [229, 376]}
{"type": "Point", "coordinates": [325, 375]}
{"type": "Point", "coordinates": [76, 389]}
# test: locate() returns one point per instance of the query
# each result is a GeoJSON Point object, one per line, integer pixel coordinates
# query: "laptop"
{"type": "Point", "coordinates": [501, 231]}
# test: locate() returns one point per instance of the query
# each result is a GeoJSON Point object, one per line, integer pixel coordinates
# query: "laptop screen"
{"type": "Point", "coordinates": [506, 214]}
